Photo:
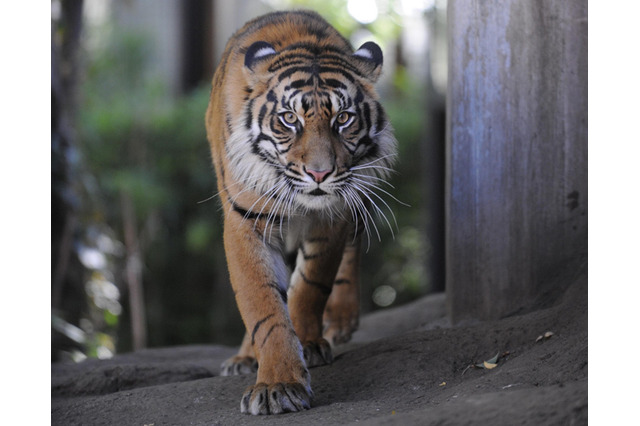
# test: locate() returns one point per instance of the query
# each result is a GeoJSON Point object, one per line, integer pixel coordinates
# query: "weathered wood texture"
{"type": "Point", "coordinates": [516, 152]}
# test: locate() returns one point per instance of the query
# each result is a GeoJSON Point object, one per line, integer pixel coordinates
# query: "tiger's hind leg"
{"type": "Point", "coordinates": [319, 257]}
{"type": "Point", "coordinates": [243, 363]}
{"type": "Point", "coordinates": [341, 314]}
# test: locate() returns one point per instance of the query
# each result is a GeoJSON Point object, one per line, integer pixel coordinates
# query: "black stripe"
{"type": "Point", "coordinates": [343, 100]}
{"type": "Point", "coordinates": [359, 96]}
{"type": "Point", "coordinates": [340, 63]}
{"type": "Point", "coordinates": [306, 104]}
{"type": "Point", "coordinates": [295, 177]}
{"type": "Point", "coordinates": [249, 117]}
{"type": "Point", "coordinates": [246, 214]}
{"type": "Point", "coordinates": [380, 120]}
{"type": "Point", "coordinates": [371, 152]}
{"type": "Point", "coordinates": [299, 60]}
{"type": "Point", "coordinates": [262, 113]}
{"type": "Point", "coordinates": [359, 125]}
{"type": "Point", "coordinates": [284, 151]}
{"type": "Point", "coordinates": [312, 48]}
{"type": "Point", "coordinates": [342, 281]}
{"type": "Point", "coordinates": [337, 84]}
{"type": "Point", "coordinates": [256, 143]}
{"type": "Point", "coordinates": [307, 256]}
{"type": "Point", "coordinates": [323, 288]}
{"type": "Point", "coordinates": [280, 324]}
{"type": "Point", "coordinates": [293, 70]}
{"type": "Point", "coordinates": [228, 121]}
{"type": "Point", "coordinates": [282, 292]}
{"type": "Point", "coordinates": [342, 178]}
{"type": "Point", "coordinates": [290, 95]}
{"type": "Point", "coordinates": [257, 326]}
{"type": "Point", "coordinates": [365, 140]}
{"type": "Point", "coordinates": [300, 83]}
{"type": "Point", "coordinates": [366, 110]}
{"type": "Point", "coordinates": [288, 62]}
{"type": "Point", "coordinates": [345, 73]}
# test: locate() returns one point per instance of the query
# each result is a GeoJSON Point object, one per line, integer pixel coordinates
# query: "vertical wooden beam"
{"type": "Point", "coordinates": [516, 152]}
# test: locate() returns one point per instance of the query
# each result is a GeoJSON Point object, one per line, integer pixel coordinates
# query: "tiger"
{"type": "Point", "coordinates": [300, 144]}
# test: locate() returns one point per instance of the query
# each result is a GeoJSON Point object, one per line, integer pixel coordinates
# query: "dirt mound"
{"type": "Point", "coordinates": [405, 366]}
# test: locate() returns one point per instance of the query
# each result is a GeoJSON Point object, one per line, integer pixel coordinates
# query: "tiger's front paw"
{"type": "Point", "coordinates": [237, 365]}
{"type": "Point", "coordinates": [317, 353]}
{"type": "Point", "coordinates": [277, 398]}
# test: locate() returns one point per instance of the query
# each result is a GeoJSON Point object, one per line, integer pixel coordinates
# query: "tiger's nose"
{"type": "Point", "coordinates": [317, 176]}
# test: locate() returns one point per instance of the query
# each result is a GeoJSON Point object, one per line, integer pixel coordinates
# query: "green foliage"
{"type": "Point", "coordinates": [200, 234]}
{"type": "Point", "coordinates": [136, 141]}
{"type": "Point", "coordinates": [139, 142]}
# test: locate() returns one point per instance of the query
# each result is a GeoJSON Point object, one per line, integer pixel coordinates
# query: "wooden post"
{"type": "Point", "coordinates": [516, 152]}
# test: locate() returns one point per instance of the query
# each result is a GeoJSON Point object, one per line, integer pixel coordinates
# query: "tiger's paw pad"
{"type": "Point", "coordinates": [276, 399]}
{"type": "Point", "coordinates": [317, 353]}
{"type": "Point", "coordinates": [237, 365]}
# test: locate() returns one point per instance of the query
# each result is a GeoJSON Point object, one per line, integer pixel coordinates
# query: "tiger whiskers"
{"type": "Point", "coordinates": [366, 191]}
{"type": "Point", "coordinates": [273, 194]}
{"type": "Point", "coordinates": [377, 188]}
{"type": "Point", "coordinates": [379, 179]}
{"type": "Point", "coordinates": [209, 198]}
{"type": "Point", "coordinates": [360, 208]}
{"type": "Point", "coordinates": [363, 186]}
{"type": "Point", "coordinates": [245, 185]}
{"type": "Point", "coordinates": [269, 194]}
{"type": "Point", "coordinates": [276, 211]}
{"type": "Point", "coordinates": [355, 213]}
{"type": "Point", "coordinates": [370, 164]}
{"type": "Point", "coordinates": [288, 208]}
{"type": "Point", "coordinates": [383, 170]}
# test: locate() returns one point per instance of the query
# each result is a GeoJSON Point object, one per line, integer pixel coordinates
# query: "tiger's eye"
{"type": "Point", "coordinates": [289, 117]}
{"type": "Point", "coordinates": [342, 118]}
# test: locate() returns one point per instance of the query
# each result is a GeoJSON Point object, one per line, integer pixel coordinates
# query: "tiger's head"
{"type": "Point", "coordinates": [312, 134]}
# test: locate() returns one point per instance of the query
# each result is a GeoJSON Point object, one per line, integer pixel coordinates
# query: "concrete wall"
{"type": "Point", "coordinates": [516, 152]}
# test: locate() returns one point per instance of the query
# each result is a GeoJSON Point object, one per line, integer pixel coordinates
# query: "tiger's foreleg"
{"type": "Point", "coordinates": [256, 270]}
{"type": "Point", "coordinates": [312, 281]}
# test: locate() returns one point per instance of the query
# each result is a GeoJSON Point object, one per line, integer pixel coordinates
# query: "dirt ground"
{"type": "Point", "coordinates": [405, 366]}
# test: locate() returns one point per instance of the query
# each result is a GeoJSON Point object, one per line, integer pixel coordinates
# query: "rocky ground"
{"type": "Point", "coordinates": [405, 366]}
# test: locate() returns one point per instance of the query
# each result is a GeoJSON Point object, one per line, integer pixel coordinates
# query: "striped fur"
{"type": "Point", "coordinates": [300, 145]}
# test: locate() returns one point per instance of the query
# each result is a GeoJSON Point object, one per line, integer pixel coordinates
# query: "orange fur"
{"type": "Point", "coordinates": [299, 142]}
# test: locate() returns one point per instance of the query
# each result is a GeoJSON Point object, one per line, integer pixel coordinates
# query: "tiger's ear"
{"type": "Point", "coordinates": [256, 60]}
{"type": "Point", "coordinates": [369, 60]}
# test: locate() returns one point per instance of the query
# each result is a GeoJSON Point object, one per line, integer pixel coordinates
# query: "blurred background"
{"type": "Point", "coordinates": [137, 255]}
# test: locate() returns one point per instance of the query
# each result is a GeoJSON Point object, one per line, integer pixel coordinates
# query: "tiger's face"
{"type": "Point", "coordinates": [318, 137]}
